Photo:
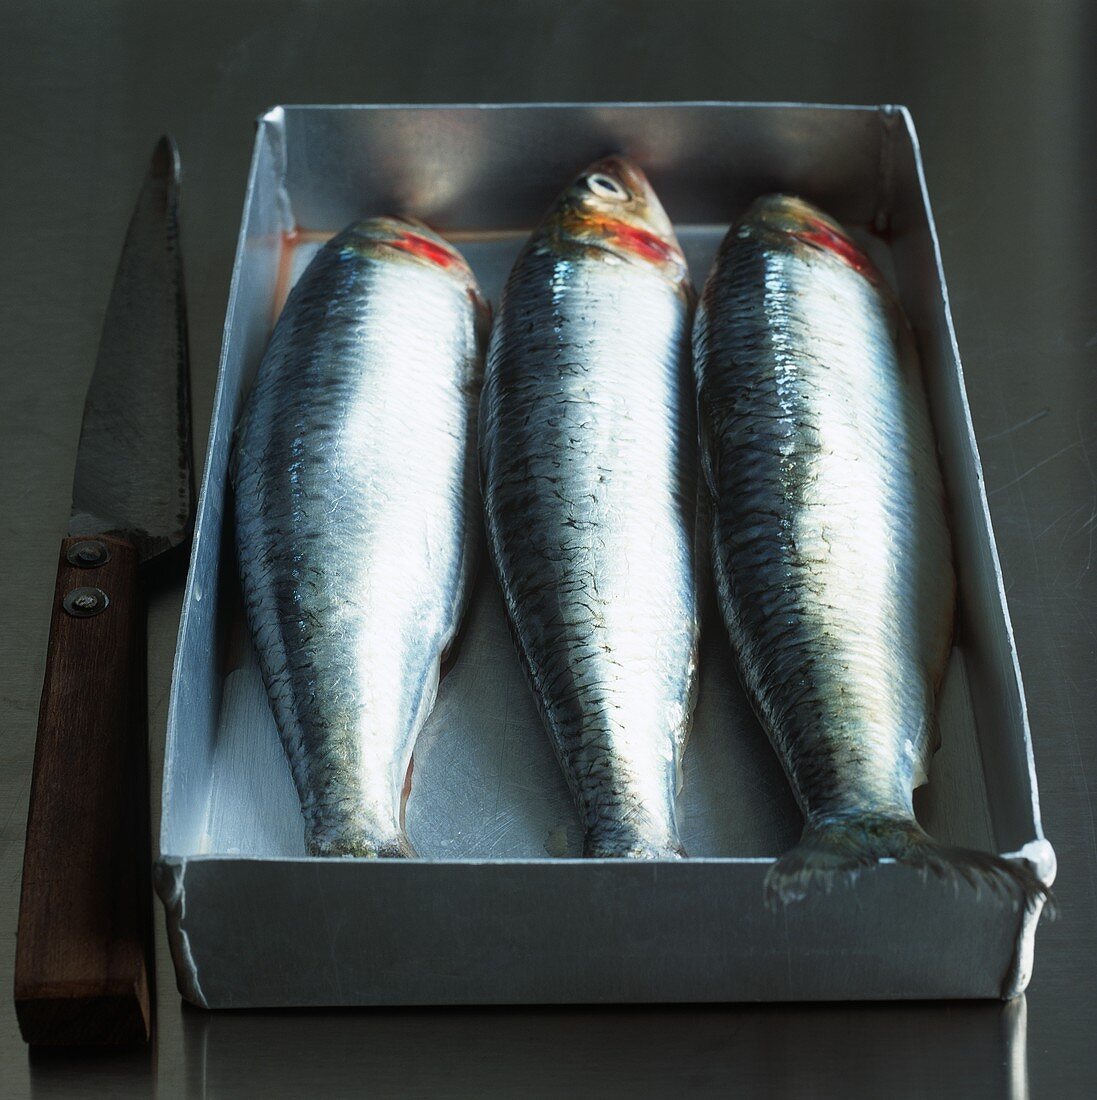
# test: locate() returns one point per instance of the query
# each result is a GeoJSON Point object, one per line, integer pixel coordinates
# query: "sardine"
{"type": "Point", "coordinates": [589, 478]}
{"type": "Point", "coordinates": [357, 513]}
{"type": "Point", "coordinates": [830, 547]}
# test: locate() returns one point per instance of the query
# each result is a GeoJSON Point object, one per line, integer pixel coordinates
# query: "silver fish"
{"type": "Point", "coordinates": [830, 547]}
{"type": "Point", "coordinates": [357, 516]}
{"type": "Point", "coordinates": [589, 478]}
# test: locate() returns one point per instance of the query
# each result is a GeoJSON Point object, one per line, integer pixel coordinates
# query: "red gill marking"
{"type": "Point", "coordinates": [424, 248]}
{"type": "Point", "coordinates": [648, 245]}
{"type": "Point", "coordinates": [821, 235]}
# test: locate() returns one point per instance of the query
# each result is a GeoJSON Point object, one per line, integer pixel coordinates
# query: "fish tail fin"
{"type": "Point", "coordinates": [361, 846]}
{"type": "Point", "coordinates": [627, 843]}
{"type": "Point", "coordinates": [838, 849]}
{"type": "Point", "coordinates": [639, 850]}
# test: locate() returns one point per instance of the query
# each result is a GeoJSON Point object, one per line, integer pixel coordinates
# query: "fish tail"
{"type": "Point", "coordinates": [631, 847]}
{"type": "Point", "coordinates": [358, 845]}
{"type": "Point", "coordinates": [637, 852]}
{"type": "Point", "coordinates": [838, 849]}
{"type": "Point", "coordinates": [343, 826]}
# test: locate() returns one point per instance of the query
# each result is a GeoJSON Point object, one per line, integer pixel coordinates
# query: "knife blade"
{"type": "Point", "coordinates": [84, 951]}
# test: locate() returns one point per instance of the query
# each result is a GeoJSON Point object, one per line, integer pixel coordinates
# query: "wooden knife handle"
{"type": "Point", "coordinates": [84, 954]}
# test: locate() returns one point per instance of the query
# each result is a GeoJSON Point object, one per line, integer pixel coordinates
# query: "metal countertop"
{"type": "Point", "coordinates": [1002, 94]}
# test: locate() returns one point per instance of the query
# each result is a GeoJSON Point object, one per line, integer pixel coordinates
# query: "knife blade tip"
{"type": "Point", "coordinates": [165, 159]}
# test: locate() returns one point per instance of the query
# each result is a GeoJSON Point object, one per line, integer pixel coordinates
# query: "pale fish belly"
{"type": "Point", "coordinates": [357, 513]}
{"type": "Point", "coordinates": [590, 483]}
{"type": "Point", "coordinates": [830, 547]}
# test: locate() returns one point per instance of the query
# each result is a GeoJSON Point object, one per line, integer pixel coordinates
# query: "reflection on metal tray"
{"type": "Point", "coordinates": [239, 891]}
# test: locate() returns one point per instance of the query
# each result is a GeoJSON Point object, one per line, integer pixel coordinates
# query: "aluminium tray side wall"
{"type": "Point", "coordinates": [315, 933]}
{"type": "Point", "coordinates": [987, 633]}
{"type": "Point", "coordinates": [199, 657]}
{"type": "Point", "coordinates": [499, 166]}
{"type": "Point", "coordinates": [462, 932]}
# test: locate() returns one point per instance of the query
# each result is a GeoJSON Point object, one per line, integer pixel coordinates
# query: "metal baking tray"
{"type": "Point", "coordinates": [499, 909]}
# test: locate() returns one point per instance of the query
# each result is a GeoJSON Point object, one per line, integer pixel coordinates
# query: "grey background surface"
{"type": "Point", "coordinates": [1002, 94]}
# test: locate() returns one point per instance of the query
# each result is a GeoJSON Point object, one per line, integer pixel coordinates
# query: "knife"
{"type": "Point", "coordinates": [83, 962]}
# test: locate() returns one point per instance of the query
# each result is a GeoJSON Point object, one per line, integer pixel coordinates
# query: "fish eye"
{"type": "Point", "coordinates": [606, 187]}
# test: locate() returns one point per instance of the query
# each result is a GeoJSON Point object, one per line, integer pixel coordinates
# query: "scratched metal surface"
{"type": "Point", "coordinates": [1002, 92]}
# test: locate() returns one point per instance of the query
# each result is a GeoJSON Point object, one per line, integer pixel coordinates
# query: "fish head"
{"type": "Point", "coordinates": [786, 221]}
{"type": "Point", "coordinates": [407, 240]}
{"type": "Point", "coordinates": [611, 211]}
